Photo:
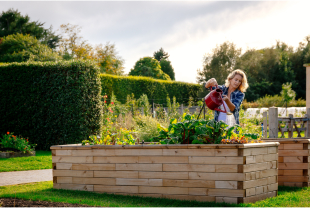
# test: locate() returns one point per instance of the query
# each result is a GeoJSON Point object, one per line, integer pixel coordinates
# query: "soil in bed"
{"type": "Point", "coordinates": [13, 202]}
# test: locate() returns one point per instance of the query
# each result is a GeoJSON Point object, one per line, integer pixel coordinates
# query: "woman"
{"type": "Point", "coordinates": [233, 93]}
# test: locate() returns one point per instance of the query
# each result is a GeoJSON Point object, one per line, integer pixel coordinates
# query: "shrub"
{"type": "Point", "coordinates": [156, 90]}
{"type": "Point", "coordinates": [9, 140]}
{"type": "Point", "coordinates": [51, 103]}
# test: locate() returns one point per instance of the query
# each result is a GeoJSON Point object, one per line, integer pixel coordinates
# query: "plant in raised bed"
{"type": "Point", "coordinates": [235, 135]}
{"type": "Point", "coordinates": [11, 142]}
{"type": "Point", "coordinates": [192, 131]}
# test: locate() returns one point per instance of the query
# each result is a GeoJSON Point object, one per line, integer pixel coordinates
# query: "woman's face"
{"type": "Point", "coordinates": [236, 81]}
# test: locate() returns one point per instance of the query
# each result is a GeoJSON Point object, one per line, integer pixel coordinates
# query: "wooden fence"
{"type": "Point", "coordinates": [286, 124]}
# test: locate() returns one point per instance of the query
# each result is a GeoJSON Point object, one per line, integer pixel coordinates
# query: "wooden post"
{"type": "Point", "coordinates": [265, 124]}
{"type": "Point", "coordinates": [290, 126]}
{"type": "Point", "coordinates": [307, 85]}
{"type": "Point", "coordinates": [308, 124]}
{"type": "Point", "coordinates": [273, 122]}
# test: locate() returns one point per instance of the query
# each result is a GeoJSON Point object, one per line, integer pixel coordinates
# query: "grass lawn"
{"type": "Point", "coordinates": [43, 191]}
{"type": "Point", "coordinates": [42, 160]}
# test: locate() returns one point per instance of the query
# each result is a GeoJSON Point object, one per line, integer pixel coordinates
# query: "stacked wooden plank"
{"type": "Point", "coordinates": [294, 156]}
{"type": "Point", "coordinates": [238, 173]}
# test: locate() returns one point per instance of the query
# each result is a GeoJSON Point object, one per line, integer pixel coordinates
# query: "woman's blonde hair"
{"type": "Point", "coordinates": [244, 83]}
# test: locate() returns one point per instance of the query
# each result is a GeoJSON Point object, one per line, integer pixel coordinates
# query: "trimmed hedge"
{"type": "Point", "coordinates": [156, 90]}
{"type": "Point", "coordinates": [51, 103]}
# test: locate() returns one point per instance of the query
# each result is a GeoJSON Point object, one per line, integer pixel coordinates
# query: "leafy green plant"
{"type": "Point", "coordinates": [9, 140]}
{"type": "Point", "coordinates": [235, 135]}
{"type": "Point", "coordinates": [146, 127]}
{"type": "Point", "coordinates": [192, 131]}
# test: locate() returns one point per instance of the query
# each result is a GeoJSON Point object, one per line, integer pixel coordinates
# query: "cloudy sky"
{"type": "Point", "coordinates": [186, 30]}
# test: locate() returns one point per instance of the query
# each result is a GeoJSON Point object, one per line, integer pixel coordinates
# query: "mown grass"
{"type": "Point", "coordinates": [42, 160]}
{"type": "Point", "coordinates": [43, 191]}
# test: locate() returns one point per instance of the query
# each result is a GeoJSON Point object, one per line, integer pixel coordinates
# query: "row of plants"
{"type": "Point", "coordinates": [132, 122]}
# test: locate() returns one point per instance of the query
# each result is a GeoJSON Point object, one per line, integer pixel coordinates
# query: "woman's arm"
{"type": "Point", "coordinates": [230, 105]}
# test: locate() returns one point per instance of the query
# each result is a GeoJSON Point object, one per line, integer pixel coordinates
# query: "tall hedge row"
{"type": "Point", "coordinates": [156, 90]}
{"type": "Point", "coordinates": [52, 102]}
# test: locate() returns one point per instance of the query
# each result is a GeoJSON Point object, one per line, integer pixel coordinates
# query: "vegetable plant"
{"type": "Point", "coordinates": [192, 131]}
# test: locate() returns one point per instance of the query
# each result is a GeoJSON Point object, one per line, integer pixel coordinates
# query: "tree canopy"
{"type": "Point", "coordinates": [12, 22]}
{"type": "Point", "coordinates": [148, 67]}
{"type": "Point", "coordinates": [267, 69]}
{"type": "Point", "coordinates": [21, 48]}
{"type": "Point", "coordinates": [160, 54]}
{"type": "Point", "coordinates": [167, 68]}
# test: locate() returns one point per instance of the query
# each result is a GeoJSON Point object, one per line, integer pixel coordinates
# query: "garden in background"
{"type": "Point", "coordinates": [58, 89]}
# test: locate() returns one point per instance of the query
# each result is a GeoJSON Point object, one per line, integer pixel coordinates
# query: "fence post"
{"type": "Point", "coordinates": [273, 122]}
{"type": "Point", "coordinates": [308, 124]}
{"type": "Point", "coordinates": [142, 111]}
{"type": "Point", "coordinates": [265, 124]}
{"type": "Point", "coordinates": [290, 126]}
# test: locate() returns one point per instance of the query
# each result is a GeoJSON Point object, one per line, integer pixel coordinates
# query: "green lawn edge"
{"type": "Point", "coordinates": [42, 160]}
{"type": "Point", "coordinates": [43, 191]}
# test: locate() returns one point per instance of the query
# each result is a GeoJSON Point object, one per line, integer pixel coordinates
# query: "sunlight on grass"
{"type": "Point", "coordinates": [288, 197]}
{"type": "Point", "coordinates": [42, 160]}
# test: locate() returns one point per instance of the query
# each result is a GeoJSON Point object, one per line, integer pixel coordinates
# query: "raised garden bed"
{"type": "Point", "coordinates": [9, 152]}
{"type": "Point", "coordinates": [233, 173]}
{"type": "Point", "coordinates": [294, 161]}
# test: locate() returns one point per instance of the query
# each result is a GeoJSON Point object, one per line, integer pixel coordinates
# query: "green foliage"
{"type": "Point", "coordinates": [167, 68]}
{"type": "Point", "coordinates": [9, 140]}
{"type": "Point", "coordinates": [148, 67]}
{"type": "Point", "coordinates": [146, 127]}
{"type": "Point", "coordinates": [266, 69]}
{"type": "Point", "coordinates": [145, 104]}
{"type": "Point", "coordinates": [173, 108]}
{"type": "Point", "coordinates": [192, 131]}
{"type": "Point", "coordinates": [12, 22]}
{"type": "Point", "coordinates": [287, 93]}
{"type": "Point", "coordinates": [219, 63]}
{"type": "Point", "coordinates": [108, 59]}
{"type": "Point", "coordinates": [154, 89]}
{"type": "Point", "coordinates": [22, 48]}
{"type": "Point", "coordinates": [51, 103]}
{"type": "Point", "coordinates": [161, 55]}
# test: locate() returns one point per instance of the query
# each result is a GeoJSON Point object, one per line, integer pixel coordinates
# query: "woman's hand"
{"type": "Point", "coordinates": [211, 82]}
{"type": "Point", "coordinates": [225, 98]}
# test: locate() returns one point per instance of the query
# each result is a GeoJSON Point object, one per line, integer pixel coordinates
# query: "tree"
{"type": "Point", "coordinates": [148, 67]}
{"type": "Point", "coordinates": [287, 93]}
{"type": "Point", "coordinates": [160, 54]}
{"type": "Point", "coordinates": [108, 60]}
{"type": "Point", "coordinates": [167, 68]}
{"type": "Point", "coordinates": [12, 22]}
{"type": "Point", "coordinates": [50, 38]}
{"type": "Point", "coordinates": [21, 48]}
{"type": "Point", "coordinates": [70, 41]}
{"type": "Point", "coordinates": [219, 63]}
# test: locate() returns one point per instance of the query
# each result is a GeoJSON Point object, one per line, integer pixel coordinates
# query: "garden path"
{"type": "Point", "coordinates": [30, 176]}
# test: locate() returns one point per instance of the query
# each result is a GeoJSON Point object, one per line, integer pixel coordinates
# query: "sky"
{"type": "Point", "coordinates": [187, 30]}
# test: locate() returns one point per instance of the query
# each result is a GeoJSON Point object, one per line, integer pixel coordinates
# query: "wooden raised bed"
{"type": "Point", "coordinates": [232, 173]}
{"type": "Point", "coordinates": [294, 161]}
